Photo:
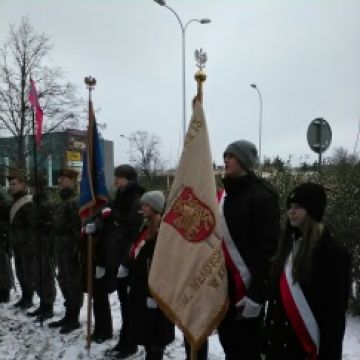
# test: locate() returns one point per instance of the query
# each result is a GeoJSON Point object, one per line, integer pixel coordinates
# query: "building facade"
{"type": "Point", "coordinates": [57, 150]}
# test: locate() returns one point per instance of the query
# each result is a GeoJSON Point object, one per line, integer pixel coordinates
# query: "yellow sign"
{"type": "Point", "coordinates": [73, 156]}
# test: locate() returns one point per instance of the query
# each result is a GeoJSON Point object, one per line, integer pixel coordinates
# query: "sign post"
{"type": "Point", "coordinates": [319, 137]}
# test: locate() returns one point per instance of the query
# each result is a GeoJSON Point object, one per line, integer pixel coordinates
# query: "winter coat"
{"type": "Point", "coordinates": [6, 275]}
{"type": "Point", "coordinates": [327, 295]}
{"type": "Point", "coordinates": [20, 225]}
{"type": "Point", "coordinates": [118, 231]}
{"type": "Point", "coordinates": [252, 215]}
{"type": "Point", "coordinates": [42, 219]}
{"type": "Point", "coordinates": [67, 223]}
{"type": "Point", "coordinates": [147, 326]}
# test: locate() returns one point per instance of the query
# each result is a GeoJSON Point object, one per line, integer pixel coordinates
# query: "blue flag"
{"type": "Point", "coordinates": [93, 192]}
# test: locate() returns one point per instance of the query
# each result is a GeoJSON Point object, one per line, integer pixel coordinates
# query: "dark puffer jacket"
{"type": "Point", "coordinates": [252, 215]}
{"type": "Point", "coordinates": [327, 295]}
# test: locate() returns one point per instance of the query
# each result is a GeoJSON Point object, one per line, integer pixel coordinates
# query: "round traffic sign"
{"type": "Point", "coordinates": [319, 135]}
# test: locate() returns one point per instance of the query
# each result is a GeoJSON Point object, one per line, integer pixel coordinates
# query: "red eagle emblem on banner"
{"type": "Point", "coordinates": [191, 217]}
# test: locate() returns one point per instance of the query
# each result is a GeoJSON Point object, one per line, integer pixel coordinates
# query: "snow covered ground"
{"type": "Point", "coordinates": [22, 339]}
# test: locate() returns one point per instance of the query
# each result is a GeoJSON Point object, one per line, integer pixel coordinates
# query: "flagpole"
{"type": "Point", "coordinates": [36, 196]}
{"type": "Point", "coordinates": [90, 83]}
{"type": "Point", "coordinates": [200, 78]}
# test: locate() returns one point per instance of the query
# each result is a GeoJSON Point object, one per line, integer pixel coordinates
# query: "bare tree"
{"type": "Point", "coordinates": [23, 55]}
{"type": "Point", "coordinates": [146, 152]}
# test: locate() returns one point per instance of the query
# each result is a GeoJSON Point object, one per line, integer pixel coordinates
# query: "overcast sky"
{"type": "Point", "coordinates": [304, 55]}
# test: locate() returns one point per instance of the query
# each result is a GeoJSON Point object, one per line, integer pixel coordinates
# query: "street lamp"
{"type": "Point", "coordinates": [183, 30]}
{"type": "Point", "coordinates": [260, 122]}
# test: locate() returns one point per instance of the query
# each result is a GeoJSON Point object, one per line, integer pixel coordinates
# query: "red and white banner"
{"type": "Point", "coordinates": [234, 262]}
{"type": "Point", "coordinates": [34, 101]}
{"type": "Point", "coordinates": [299, 312]}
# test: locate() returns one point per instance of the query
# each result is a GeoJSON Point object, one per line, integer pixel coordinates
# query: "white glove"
{"type": "Point", "coordinates": [251, 308]}
{"type": "Point", "coordinates": [122, 272]}
{"type": "Point", "coordinates": [90, 228]}
{"type": "Point", "coordinates": [151, 303]}
{"type": "Point", "coordinates": [99, 272]}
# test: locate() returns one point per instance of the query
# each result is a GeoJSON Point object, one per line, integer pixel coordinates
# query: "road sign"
{"type": "Point", "coordinates": [319, 135]}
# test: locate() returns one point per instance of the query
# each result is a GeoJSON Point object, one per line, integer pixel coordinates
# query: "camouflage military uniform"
{"type": "Point", "coordinates": [42, 217]}
{"type": "Point", "coordinates": [6, 275]}
{"type": "Point", "coordinates": [67, 227]}
{"type": "Point", "coordinates": [23, 247]}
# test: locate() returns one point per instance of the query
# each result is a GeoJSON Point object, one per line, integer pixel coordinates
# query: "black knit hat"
{"type": "Point", "coordinates": [126, 171]}
{"type": "Point", "coordinates": [311, 197]}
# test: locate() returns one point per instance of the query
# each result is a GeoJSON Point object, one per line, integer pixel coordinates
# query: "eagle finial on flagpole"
{"type": "Point", "coordinates": [90, 84]}
{"type": "Point", "coordinates": [200, 76]}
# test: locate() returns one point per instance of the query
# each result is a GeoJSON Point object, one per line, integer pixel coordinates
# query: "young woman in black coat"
{"type": "Point", "coordinates": [148, 324]}
{"type": "Point", "coordinates": [310, 284]}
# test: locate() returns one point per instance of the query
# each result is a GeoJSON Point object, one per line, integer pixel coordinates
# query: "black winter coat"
{"type": "Point", "coordinates": [20, 225]}
{"type": "Point", "coordinates": [327, 295]}
{"type": "Point", "coordinates": [252, 215]}
{"type": "Point", "coordinates": [117, 232]}
{"type": "Point", "coordinates": [147, 326]}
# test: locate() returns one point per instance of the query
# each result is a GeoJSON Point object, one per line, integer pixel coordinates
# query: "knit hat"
{"type": "Point", "coordinates": [155, 199]}
{"type": "Point", "coordinates": [126, 171]}
{"type": "Point", "coordinates": [311, 197]}
{"type": "Point", "coordinates": [245, 152]}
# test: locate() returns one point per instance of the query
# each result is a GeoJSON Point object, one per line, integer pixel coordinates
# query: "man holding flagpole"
{"type": "Point", "coordinates": [249, 214]}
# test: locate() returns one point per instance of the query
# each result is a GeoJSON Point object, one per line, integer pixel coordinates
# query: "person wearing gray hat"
{"type": "Point", "coordinates": [250, 209]}
{"type": "Point", "coordinates": [155, 199]}
{"type": "Point", "coordinates": [244, 152]}
{"type": "Point", "coordinates": [148, 325]}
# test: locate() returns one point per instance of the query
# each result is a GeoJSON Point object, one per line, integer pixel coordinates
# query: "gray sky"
{"type": "Point", "coordinates": [304, 56]}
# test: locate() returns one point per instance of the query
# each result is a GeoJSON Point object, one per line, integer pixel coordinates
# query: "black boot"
{"type": "Point", "coordinates": [72, 323]}
{"type": "Point", "coordinates": [100, 337]}
{"type": "Point", "coordinates": [4, 295]}
{"type": "Point", "coordinates": [46, 312]}
{"type": "Point", "coordinates": [62, 321]}
{"type": "Point", "coordinates": [125, 352]}
{"type": "Point", "coordinates": [154, 353]}
{"type": "Point", "coordinates": [25, 302]}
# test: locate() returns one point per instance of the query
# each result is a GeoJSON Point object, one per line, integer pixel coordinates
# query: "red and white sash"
{"type": "Point", "coordinates": [138, 244]}
{"type": "Point", "coordinates": [298, 311]}
{"type": "Point", "coordinates": [234, 262]}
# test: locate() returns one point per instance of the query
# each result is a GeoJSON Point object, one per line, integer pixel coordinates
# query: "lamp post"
{"type": "Point", "coordinates": [260, 123]}
{"type": "Point", "coordinates": [183, 31]}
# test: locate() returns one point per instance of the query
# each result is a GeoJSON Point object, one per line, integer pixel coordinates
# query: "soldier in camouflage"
{"type": "Point", "coordinates": [42, 218]}
{"type": "Point", "coordinates": [6, 274]}
{"type": "Point", "coordinates": [20, 240]}
{"type": "Point", "coordinates": [67, 227]}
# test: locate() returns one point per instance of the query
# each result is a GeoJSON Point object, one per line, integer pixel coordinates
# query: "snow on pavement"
{"type": "Point", "coordinates": [23, 339]}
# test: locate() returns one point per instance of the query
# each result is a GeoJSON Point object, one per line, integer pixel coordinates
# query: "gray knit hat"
{"type": "Point", "coordinates": [245, 152]}
{"type": "Point", "coordinates": [154, 199]}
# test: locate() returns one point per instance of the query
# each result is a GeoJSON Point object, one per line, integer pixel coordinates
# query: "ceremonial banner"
{"type": "Point", "coordinates": [34, 101]}
{"type": "Point", "coordinates": [93, 192]}
{"type": "Point", "coordinates": [188, 276]}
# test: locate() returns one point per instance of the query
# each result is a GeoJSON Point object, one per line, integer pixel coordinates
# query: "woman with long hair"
{"type": "Point", "coordinates": [148, 325]}
{"type": "Point", "coordinates": [310, 284]}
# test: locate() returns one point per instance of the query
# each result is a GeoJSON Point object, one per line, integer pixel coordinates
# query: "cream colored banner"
{"type": "Point", "coordinates": [188, 275]}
